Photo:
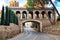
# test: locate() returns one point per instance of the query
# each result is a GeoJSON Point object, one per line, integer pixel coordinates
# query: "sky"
{"type": "Point", "coordinates": [6, 3]}
{"type": "Point", "coordinates": [22, 2]}
{"type": "Point", "coordinates": [57, 4]}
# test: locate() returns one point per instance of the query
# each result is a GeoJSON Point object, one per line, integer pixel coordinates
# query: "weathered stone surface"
{"type": "Point", "coordinates": [8, 31]}
{"type": "Point", "coordinates": [54, 29]}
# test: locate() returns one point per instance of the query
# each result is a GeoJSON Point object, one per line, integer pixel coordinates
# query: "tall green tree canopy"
{"type": "Point", "coordinates": [2, 16]}
{"type": "Point", "coordinates": [7, 22]}
{"type": "Point", "coordinates": [8, 17]}
{"type": "Point", "coordinates": [13, 17]}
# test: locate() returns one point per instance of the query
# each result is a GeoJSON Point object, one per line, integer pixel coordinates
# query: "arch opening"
{"type": "Point", "coordinates": [24, 15]}
{"type": "Point", "coordinates": [31, 14]}
{"type": "Point", "coordinates": [49, 14]}
{"type": "Point", "coordinates": [43, 14]}
{"type": "Point", "coordinates": [37, 14]}
{"type": "Point", "coordinates": [32, 24]}
{"type": "Point", "coordinates": [17, 12]}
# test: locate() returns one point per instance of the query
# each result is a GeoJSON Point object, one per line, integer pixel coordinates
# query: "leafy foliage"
{"type": "Point", "coordinates": [26, 5]}
{"type": "Point", "coordinates": [13, 17]}
{"type": "Point", "coordinates": [34, 25]}
{"type": "Point", "coordinates": [31, 5]}
{"type": "Point", "coordinates": [8, 17]}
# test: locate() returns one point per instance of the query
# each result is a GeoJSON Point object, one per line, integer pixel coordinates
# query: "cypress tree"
{"type": "Point", "coordinates": [12, 17]}
{"type": "Point", "coordinates": [16, 20]}
{"type": "Point", "coordinates": [2, 16]}
{"type": "Point", "coordinates": [7, 16]}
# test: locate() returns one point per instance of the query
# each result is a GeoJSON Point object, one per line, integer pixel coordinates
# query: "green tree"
{"type": "Point", "coordinates": [13, 17]}
{"type": "Point", "coordinates": [7, 16]}
{"type": "Point", "coordinates": [2, 16]}
{"type": "Point", "coordinates": [26, 5]}
{"type": "Point", "coordinates": [16, 20]}
{"type": "Point", "coordinates": [31, 5]}
{"type": "Point", "coordinates": [34, 25]}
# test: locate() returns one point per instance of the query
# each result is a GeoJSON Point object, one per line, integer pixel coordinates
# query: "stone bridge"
{"type": "Point", "coordinates": [40, 16]}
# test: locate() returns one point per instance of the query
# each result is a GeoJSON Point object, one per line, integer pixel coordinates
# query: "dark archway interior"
{"type": "Point", "coordinates": [43, 12]}
{"type": "Point", "coordinates": [24, 12]}
{"type": "Point", "coordinates": [17, 12]}
{"type": "Point", "coordinates": [49, 14]}
{"type": "Point", "coordinates": [37, 13]}
{"type": "Point", "coordinates": [31, 14]}
{"type": "Point", "coordinates": [35, 24]}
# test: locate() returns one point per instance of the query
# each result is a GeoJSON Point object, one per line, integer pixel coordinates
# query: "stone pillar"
{"type": "Point", "coordinates": [40, 26]}
{"type": "Point", "coordinates": [40, 15]}
{"type": "Point", "coordinates": [27, 15]}
{"type": "Point", "coordinates": [21, 26]}
{"type": "Point", "coordinates": [47, 15]}
{"type": "Point", "coordinates": [54, 17]}
{"type": "Point", "coordinates": [33, 15]}
{"type": "Point", "coordinates": [21, 15]}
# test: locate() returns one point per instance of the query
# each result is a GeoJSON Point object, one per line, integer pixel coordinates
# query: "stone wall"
{"type": "Point", "coordinates": [8, 31]}
{"type": "Point", "coordinates": [52, 29]}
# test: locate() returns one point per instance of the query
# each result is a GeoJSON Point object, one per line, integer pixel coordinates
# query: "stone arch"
{"type": "Point", "coordinates": [31, 13]}
{"type": "Point", "coordinates": [31, 21]}
{"type": "Point", "coordinates": [40, 23]}
{"type": "Point", "coordinates": [49, 14]}
{"type": "Point", "coordinates": [24, 14]}
{"type": "Point", "coordinates": [37, 14]}
{"type": "Point", "coordinates": [17, 12]}
{"type": "Point", "coordinates": [43, 12]}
